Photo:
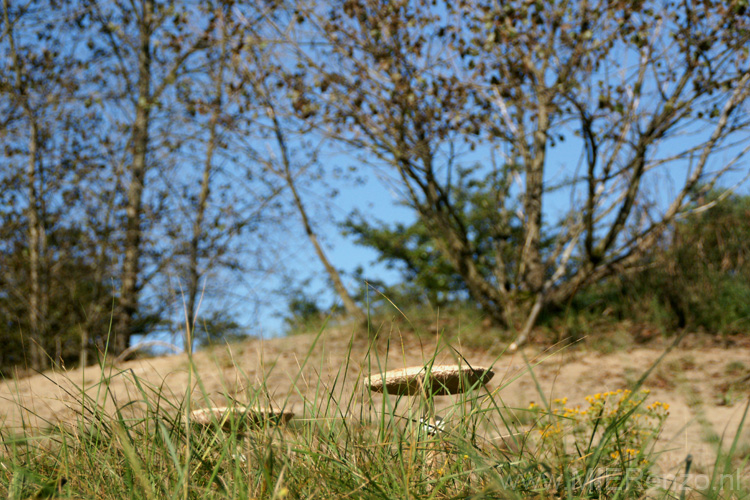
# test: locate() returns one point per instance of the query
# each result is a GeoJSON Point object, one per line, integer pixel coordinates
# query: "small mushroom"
{"type": "Point", "coordinates": [251, 416]}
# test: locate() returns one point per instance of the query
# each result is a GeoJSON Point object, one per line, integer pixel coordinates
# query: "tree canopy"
{"type": "Point", "coordinates": [152, 147]}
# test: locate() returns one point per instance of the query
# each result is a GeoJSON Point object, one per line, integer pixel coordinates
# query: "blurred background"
{"type": "Point", "coordinates": [543, 171]}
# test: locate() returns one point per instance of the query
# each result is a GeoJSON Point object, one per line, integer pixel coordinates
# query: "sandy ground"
{"type": "Point", "coordinates": [703, 384]}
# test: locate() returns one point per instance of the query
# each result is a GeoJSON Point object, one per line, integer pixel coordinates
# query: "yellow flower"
{"type": "Point", "coordinates": [655, 406]}
{"type": "Point", "coordinates": [569, 412]}
{"type": "Point", "coordinates": [550, 430]}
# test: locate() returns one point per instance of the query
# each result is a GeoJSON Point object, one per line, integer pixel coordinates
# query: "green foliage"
{"type": "Point", "coordinates": [78, 298]}
{"type": "Point", "coordinates": [706, 275]}
{"type": "Point", "coordinates": [218, 328]}
{"type": "Point", "coordinates": [698, 278]}
{"type": "Point", "coordinates": [427, 274]}
{"type": "Point", "coordinates": [304, 313]}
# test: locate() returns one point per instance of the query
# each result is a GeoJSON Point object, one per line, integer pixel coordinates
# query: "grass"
{"type": "Point", "coordinates": [348, 443]}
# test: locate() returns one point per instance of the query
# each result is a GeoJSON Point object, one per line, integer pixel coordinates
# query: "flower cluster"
{"type": "Point", "coordinates": [614, 431]}
{"type": "Point", "coordinates": [629, 453]}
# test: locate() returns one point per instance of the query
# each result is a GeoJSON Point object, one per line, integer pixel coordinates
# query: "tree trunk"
{"type": "Point", "coordinates": [194, 273]}
{"type": "Point", "coordinates": [350, 306]}
{"type": "Point", "coordinates": [38, 359]}
{"type": "Point", "coordinates": [451, 236]}
{"type": "Point", "coordinates": [35, 229]}
{"type": "Point", "coordinates": [129, 290]}
{"type": "Point", "coordinates": [532, 268]}
{"type": "Point", "coordinates": [194, 259]}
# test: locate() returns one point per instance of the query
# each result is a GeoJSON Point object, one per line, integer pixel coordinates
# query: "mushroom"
{"type": "Point", "coordinates": [251, 416]}
{"type": "Point", "coordinates": [435, 380]}
{"type": "Point", "coordinates": [431, 380]}
{"type": "Point", "coordinates": [442, 380]}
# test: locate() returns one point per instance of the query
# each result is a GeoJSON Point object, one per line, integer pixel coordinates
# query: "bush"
{"type": "Point", "coordinates": [698, 278]}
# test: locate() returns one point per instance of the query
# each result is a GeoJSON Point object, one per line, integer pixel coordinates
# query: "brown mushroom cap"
{"type": "Point", "coordinates": [250, 416]}
{"type": "Point", "coordinates": [443, 380]}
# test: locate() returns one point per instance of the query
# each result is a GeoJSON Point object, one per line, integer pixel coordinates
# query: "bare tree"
{"type": "Point", "coordinates": [48, 125]}
{"type": "Point", "coordinates": [639, 91]}
{"type": "Point", "coordinates": [645, 87]}
{"type": "Point", "coordinates": [35, 91]}
{"type": "Point", "coordinates": [149, 45]}
{"type": "Point", "coordinates": [36, 230]}
{"type": "Point", "coordinates": [214, 197]}
{"type": "Point", "coordinates": [216, 220]}
{"type": "Point", "coordinates": [217, 75]}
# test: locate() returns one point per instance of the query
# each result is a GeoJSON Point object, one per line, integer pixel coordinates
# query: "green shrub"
{"type": "Point", "coordinates": [697, 278]}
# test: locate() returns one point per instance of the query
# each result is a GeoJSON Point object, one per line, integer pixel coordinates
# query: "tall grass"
{"type": "Point", "coordinates": [346, 442]}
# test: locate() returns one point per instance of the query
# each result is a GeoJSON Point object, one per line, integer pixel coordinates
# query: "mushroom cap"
{"type": "Point", "coordinates": [251, 416]}
{"type": "Point", "coordinates": [443, 379]}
